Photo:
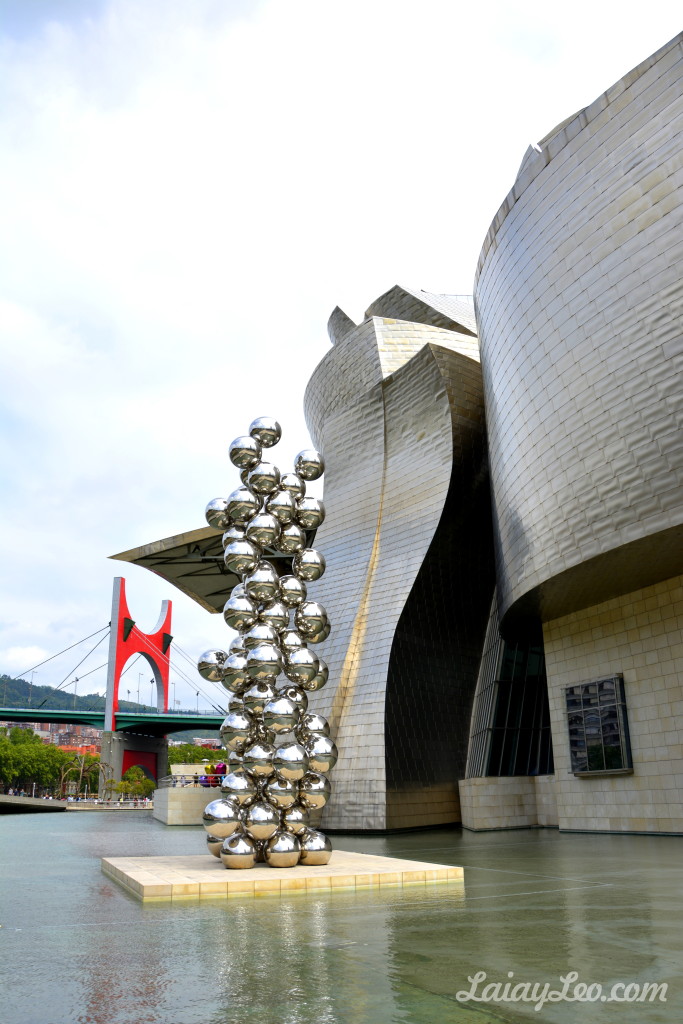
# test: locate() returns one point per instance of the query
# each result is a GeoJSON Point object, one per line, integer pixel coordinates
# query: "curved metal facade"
{"type": "Point", "coordinates": [397, 407]}
{"type": "Point", "coordinates": [579, 298]}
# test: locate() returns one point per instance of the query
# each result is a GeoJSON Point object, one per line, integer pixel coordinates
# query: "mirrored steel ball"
{"type": "Point", "coordinates": [242, 505]}
{"type": "Point", "coordinates": [294, 693]}
{"type": "Point", "coordinates": [282, 850]}
{"type": "Point", "coordinates": [281, 505]}
{"type": "Point", "coordinates": [293, 483]}
{"type": "Point", "coordinates": [214, 844]}
{"type": "Point", "coordinates": [316, 848]}
{"type": "Point", "coordinates": [235, 675]}
{"type": "Point", "coordinates": [310, 618]}
{"type": "Point", "coordinates": [264, 663]}
{"type": "Point", "coordinates": [281, 715]}
{"type": "Point", "coordinates": [310, 513]}
{"type": "Point", "coordinates": [263, 584]}
{"type": "Point", "coordinates": [239, 851]}
{"type": "Point", "coordinates": [266, 430]}
{"type": "Point", "coordinates": [235, 730]}
{"type": "Point", "coordinates": [240, 612]}
{"type": "Point", "coordinates": [257, 696]}
{"type": "Point", "coordinates": [241, 556]}
{"type": "Point", "coordinates": [260, 633]}
{"type": "Point", "coordinates": [217, 513]}
{"type": "Point", "coordinates": [295, 818]}
{"type": "Point", "coordinates": [240, 786]}
{"type": "Point", "coordinates": [312, 723]}
{"type": "Point", "coordinates": [314, 791]}
{"type": "Point", "coordinates": [237, 645]}
{"type": "Point", "coordinates": [281, 793]}
{"type": "Point", "coordinates": [292, 539]}
{"type": "Point", "coordinates": [308, 565]}
{"type": "Point", "coordinates": [319, 679]}
{"type": "Point", "coordinates": [293, 590]}
{"type": "Point", "coordinates": [210, 665]}
{"type": "Point", "coordinates": [309, 464]}
{"type": "Point", "coordinates": [257, 760]}
{"type": "Point", "coordinates": [301, 666]}
{"type": "Point", "coordinates": [290, 640]}
{"type": "Point", "coordinates": [291, 761]}
{"type": "Point", "coordinates": [322, 753]}
{"type": "Point", "coordinates": [222, 818]}
{"type": "Point", "coordinates": [262, 820]}
{"type": "Point", "coordinates": [234, 761]}
{"type": "Point", "coordinates": [264, 478]}
{"type": "Point", "coordinates": [264, 530]}
{"type": "Point", "coordinates": [235, 703]}
{"type": "Point", "coordinates": [245, 452]}
{"type": "Point", "coordinates": [232, 533]}
{"type": "Point", "coordinates": [318, 638]}
{"type": "Point", "coordinates": [275, 614]}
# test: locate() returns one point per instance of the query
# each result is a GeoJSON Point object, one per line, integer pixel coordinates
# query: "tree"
{"type": "Point", "coordinates": [17, 735]}
{"type": "Point", "coordinates": [136, 783]}
{"type": "Point", "coordinates": [26, 761]}
{"type": "Point", "coordinates": [188, 753]}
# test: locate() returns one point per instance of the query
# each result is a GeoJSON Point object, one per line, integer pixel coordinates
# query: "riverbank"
{"type": "Point", "coordinates": [38, 805]}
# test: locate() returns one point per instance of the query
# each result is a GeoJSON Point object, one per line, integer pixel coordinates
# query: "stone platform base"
{"type": "Point", "coordinates": [194, 877]}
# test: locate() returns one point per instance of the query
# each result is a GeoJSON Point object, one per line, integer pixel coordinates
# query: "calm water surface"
{"type": "Point", "coordinates": [76, 949]}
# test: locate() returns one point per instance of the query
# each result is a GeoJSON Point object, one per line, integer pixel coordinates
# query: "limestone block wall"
{"type": "Point", "coordinates": [514, 801]}
{"type": "Point", "coordinates": [640, 636]}
{"type": "Point", "coordinates": [183, 806]}
{"type": "Point", "coordinates": [579, 300]}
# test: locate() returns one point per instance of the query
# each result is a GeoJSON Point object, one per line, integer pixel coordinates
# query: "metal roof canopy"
{"type": "Point", "coordinates": [193, 562]}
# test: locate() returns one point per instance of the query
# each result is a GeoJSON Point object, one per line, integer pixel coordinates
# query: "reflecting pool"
{"type": "Point", "coordinates": [536, 905]}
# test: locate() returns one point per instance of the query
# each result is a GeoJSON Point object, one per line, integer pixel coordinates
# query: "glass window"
{"type": "Point", "coordinates": [598, 727]}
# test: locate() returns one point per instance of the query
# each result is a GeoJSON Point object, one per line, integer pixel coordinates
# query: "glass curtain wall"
{"type": "Point", "coordinates": [520, 741]}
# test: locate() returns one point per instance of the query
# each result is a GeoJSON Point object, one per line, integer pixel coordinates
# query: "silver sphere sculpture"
{"type": "Point", "coordinates": [210, 665]}
{"type": "Point", "coordinates": [277, 751]}
{"type": "Point", "coordinates": [309, 464]}
{"type": "Point", "coordinates": [239, 851]}
{"type": "Point", "coordinates": [217, 514]}
{"type": "Point", "coordinates": [282, 850]}
{"type": "Point", "coordinates": [308, 565]}
{"type": "Point", "coordinates": [266, 430]}
{"type": "Point", "coordinates": [245, 452]}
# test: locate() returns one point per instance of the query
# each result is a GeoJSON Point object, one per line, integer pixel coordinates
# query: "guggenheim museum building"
{"type": "Point", "coordinates": [505, 557]}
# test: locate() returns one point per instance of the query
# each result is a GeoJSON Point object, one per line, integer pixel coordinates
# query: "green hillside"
{"type": "Point", "coordinates": [17, 693]}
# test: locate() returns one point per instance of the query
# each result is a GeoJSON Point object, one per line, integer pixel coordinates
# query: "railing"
{"type": "Point", "coordinates": [179, 712]}
{"type": "Point", "coordinates": [193, 781]}
{"type": "Point", "coordinates": [144, 710]}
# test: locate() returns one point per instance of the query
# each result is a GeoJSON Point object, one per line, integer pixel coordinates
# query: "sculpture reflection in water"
{"type": "Point", "coordinates": [278, 752]}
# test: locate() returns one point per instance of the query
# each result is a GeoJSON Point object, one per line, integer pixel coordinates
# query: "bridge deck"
{"type": "Point", "coordinates": [155, 723]}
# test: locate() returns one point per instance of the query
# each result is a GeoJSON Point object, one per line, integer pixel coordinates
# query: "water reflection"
{"type": "Point", "coordinates": [537, 904]}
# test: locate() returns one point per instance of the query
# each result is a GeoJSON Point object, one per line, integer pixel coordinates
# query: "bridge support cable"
{"type": "Point", "coordinates": [197, 687]}
{"type": "Point", "coordinates": [84, 658]}
{"type": "Point", "coordinates": [193, 662]}
{"type": "Point", "coordinates": [52, 657]}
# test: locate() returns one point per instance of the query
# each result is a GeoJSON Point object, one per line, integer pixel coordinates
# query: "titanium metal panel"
{"type": "Point", "coordinates": [397, 408]}
{"type": "Point", "coordinates": [579, 301]}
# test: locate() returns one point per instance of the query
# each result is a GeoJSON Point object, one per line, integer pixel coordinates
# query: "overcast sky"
{"type": "Point", "coordinates": [187, 190]}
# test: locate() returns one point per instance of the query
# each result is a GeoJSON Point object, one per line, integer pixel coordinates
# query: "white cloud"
{"type": "Point", "coordinates": [19, 659]}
